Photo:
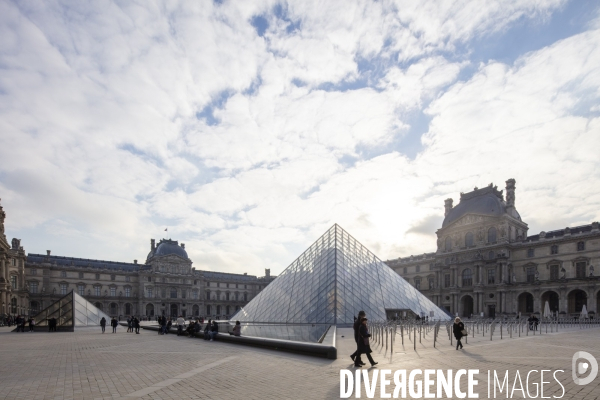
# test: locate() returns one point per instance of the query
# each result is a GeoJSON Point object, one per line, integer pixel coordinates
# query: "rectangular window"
{"type": "Point", "coordinates": [447, 280]}
{"type": "Point", "coordinates": [33, 271]}
{"type": "Point", "coordinates": [530, 252]}
{"type": "Point", "coordinates": [81, 290]}
{"type": "Point", "coordinates": [63, 288]}
{"type": "Point", "coordinates": [580, 269]}
{"type": "Point", "coordinates": [554, 249]}
{"type": "Point", "coordinates": [96, 290]}
{"type": "Point", "coordinates": [431, 283]}
{"type": "Point", "coordinates": [195, 294]}
{"type": "Point", "coordinates": [148, 292]}
{"type": "Point", "coordinates": [97, 276]}
{"type": "Point", "coordinates": [554, 272]}
{"type": "Point", "coordinates": [491, 276]}
{"type": "Point", "coordinates": [33, 286]}
{"type": "Point", "coordinates": [81, 275]}
{"type": "Point", "coordinates": [14, 262]}
{"type": "Point", "coordinates": [127, 278]}
{"type": "Point", "coordinates": [417, 284]}
{"type": "Point", "coordinates": [112, 277]}
{"type": "Point", "coordinates": [13, 281]}
{"type": "Point", "coordinates": [63, 274]}
{"type": "Point", "coordinates": [127, 292]}
{"type": "Point", "coordinates": [530, 274]}
{"type": "Point", "coordinates": [113, 291]}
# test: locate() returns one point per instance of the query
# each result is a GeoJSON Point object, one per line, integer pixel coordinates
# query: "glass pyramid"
{"type": "Point", "coordinates": [330, 282]}
{"type": "Point", "coordinates": [63, 310]}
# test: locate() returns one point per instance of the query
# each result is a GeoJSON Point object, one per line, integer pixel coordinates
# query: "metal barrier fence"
{"type": "Point", "coordinates": [384, 334]}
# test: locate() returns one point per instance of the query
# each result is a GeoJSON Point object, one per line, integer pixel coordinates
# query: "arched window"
{"type": "Point", "coordinates": [227, 298]}
{"type": "Point", "coordinates": [467, 278]}
{"type": "Point", "coordinates": [469, 239]}
{"type": "Point", "coordinates": [448, 244]}
{"type": "Point", "coordinates": [492, 235]}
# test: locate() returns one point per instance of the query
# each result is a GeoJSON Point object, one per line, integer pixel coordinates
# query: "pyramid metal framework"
{"type": "Point", "coordinates": [330, 282]}
{"type": "Point", "coordinates": [71, 312]}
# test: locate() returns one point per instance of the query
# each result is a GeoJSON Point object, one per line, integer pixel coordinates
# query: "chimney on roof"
{"type": "Point", "coordinates": [245, 273]}
{"type": "Point", "coordinates": [268, 272]}
{"type": "Point", "coordinates": [135, 261]}
{"type": "Point", "coordinates": [183, 245]}
{"type": "Point", "coordinates": [152, 244]}
{"type": "Point", "coordinates": [510, 194]}
{"type": "Point", "coordinates": [47, 252]}
{"type": "Point", "coordinates": [447, 206]}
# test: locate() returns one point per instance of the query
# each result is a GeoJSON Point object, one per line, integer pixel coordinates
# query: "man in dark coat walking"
{"type": "Point", "coordinates": [103, 324]}
{"type": "Point", "coordinates": [136, 325]}
{"type": "Point", "coordinates": [114, 323]}
{"type": "Point", "coordinates": [356, 355]}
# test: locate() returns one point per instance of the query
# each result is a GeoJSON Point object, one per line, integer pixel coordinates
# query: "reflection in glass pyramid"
{"type": "Point", "coordinates": [330, 282]}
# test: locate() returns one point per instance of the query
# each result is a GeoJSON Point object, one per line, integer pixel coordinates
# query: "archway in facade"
{"type": "Point", "coordinates": [467, 306]}
{"type": "Point", "coordinates": [114, 309]}
{"type": "Point", "coordinates": [128, 309]}
{"type": "Point", "coordinates": [577, 299]}
{"type": "Point", "coordinates": [174, 311]}
{"type": "Point", "coordinates": [552, 298]}
{"type": "Point", "coordinates": [150, 310]}
{"type": "Point", "coordinates": [195, 310]}
{"type": "Point", "coordinates": [525, 303]}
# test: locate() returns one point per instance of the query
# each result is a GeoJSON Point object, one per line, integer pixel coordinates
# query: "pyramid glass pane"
{"type": "Point", "coordinates": [330, 282]}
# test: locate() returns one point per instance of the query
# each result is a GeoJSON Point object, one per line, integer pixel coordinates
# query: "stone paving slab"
{"type": "Point", "coordinates": [92, 365]}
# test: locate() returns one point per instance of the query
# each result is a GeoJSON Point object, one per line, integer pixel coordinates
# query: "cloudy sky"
{"type": "Point", "coordinates": [249, 127]}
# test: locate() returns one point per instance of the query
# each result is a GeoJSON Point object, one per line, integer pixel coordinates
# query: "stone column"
{"type": "Point", "coordinates": [563, 301]}
{"type": "Point", "coordinates": [504, 273]}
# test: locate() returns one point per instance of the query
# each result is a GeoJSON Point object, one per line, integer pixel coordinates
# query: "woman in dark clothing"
{"type": "Point", "coordinates": [457, 329]}
{"type": "Point", "coordinates": [363, 343]}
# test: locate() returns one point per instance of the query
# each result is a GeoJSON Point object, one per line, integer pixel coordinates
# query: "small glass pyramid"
{"type": "Point", "coordinates": [330, 282]}
{"type": "Point", "coordinates": [63, 310]}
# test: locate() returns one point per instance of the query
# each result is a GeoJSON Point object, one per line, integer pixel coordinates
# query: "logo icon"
{"type": "Point", "coordinates": [582, 367]}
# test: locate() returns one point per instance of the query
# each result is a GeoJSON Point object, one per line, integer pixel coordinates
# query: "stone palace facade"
{"type": "Point", "coordinates": [486, 263]}
{"type": "Point", "coordinates": [166, 284]}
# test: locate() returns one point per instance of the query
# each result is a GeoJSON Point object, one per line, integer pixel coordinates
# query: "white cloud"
{"type": "Point", "coordinates": [101, 143]}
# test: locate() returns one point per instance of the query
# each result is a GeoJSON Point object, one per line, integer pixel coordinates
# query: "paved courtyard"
{"type": "Point", "coordinates": [91, 365]}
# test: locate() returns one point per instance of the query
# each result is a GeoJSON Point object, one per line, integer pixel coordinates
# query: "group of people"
{"type": "Point", "coordinates": [132, 323]}
{"type": "Point", "coordinates": [20, 322]}
{"type": "Point", "coordinates": [362, 339]}
{"type": "Point", "coordinates": [533, 322]}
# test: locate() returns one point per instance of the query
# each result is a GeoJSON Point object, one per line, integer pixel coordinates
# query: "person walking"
{"type": "Point", "coordinates": [364, 346]}
{"type": "Point", "coordinates": [103, 324]}
{"type": "Point", "coordinates": [458, 329]}
{"type": "Point", "coordinates": [356, 355]}
{"type": "Point", "coordinates": [31, 324]}
{"type": "Point", "coordinates": [136, 325]}
{"type": "Point", "coordinates": [114, 323]}
{"type": "Point", "coordinates": [129, 324]}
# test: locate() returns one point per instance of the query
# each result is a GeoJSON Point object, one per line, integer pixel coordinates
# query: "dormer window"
{"type": "Point", "coordinates": [580, 246]}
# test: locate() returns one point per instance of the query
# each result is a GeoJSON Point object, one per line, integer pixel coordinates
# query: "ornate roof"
{"type": "Point", "coordinates": [486, 201]}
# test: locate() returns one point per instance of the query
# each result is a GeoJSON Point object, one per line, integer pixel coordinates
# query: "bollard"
{"type": "Point", "coordinates": [415, 339]}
